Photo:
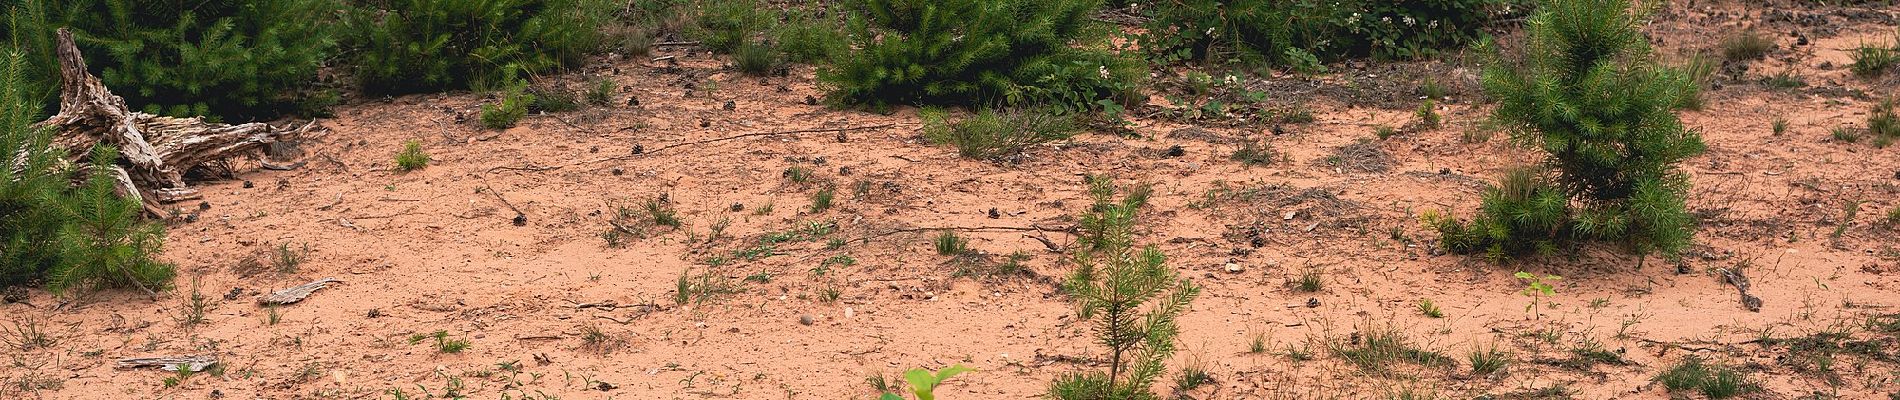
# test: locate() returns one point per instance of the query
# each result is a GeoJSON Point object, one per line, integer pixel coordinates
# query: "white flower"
{"type": "Point", "coordinates": [1410, 22]}
{"type": "Point", "coordinates": [1103, 71]}
{"type": "Point", "coordinates": [1434, 24]}
{"type": "Point", "coordinates": [1385, 19]}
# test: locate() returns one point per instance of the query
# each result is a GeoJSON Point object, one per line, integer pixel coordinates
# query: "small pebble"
{"type": "Point", "coordinates": [1176, 151]}
{"type": "Point", "coordinates": [804, 320]}
{"type": "Point", "coordinates": [1234, 268]}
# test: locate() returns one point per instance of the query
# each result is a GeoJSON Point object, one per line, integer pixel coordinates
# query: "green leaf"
{"type": "Point", "coordinates": [890, 396]}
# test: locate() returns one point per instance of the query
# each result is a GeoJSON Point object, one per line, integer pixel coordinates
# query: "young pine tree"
{"type": "Point", "coordinates": [29, 185]}
{"type": "Point", "coordinates": [1585, 90]}
{"type": "Point", "coordinates": [66, 238]}
{"type": "Point", "coordinates": [105, 243]}
{"type": "Point", "coordinates": [1131, 295]}
{"type": "Point", "coordinates": [229, 59]}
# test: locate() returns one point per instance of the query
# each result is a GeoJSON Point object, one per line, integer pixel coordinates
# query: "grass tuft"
{"type": "Point", "coordinates": [412, 157]}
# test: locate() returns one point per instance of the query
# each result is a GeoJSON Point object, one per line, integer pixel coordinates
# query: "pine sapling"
{"type": "Point", "coordinates": [1132, 297]}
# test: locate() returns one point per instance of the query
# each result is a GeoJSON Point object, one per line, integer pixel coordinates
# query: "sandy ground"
{"type": "Point", "coordinates": [550, 310]}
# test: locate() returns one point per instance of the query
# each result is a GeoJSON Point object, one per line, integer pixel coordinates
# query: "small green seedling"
{"type": "Point", "coordinates": [923, 383]}
{"type": "Point", "coordinates": [1537, 288]}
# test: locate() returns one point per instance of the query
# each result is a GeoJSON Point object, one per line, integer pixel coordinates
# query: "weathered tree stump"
{"type": "Point", "coordinates": [154, 151]}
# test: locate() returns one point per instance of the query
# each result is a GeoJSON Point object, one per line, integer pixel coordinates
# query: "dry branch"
{"type": "Point", "coordinates": [295, 293]}
{"type": "Point", "coordinates": [154, 151]}
{"type": "Point", "coordinates": [170, 363]}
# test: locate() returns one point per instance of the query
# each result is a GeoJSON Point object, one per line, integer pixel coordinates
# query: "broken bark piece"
{"type": "Point", "coordinates": [170, 363]}
{"type": "Point", "coordinates": [154, 151]}
{"type": "Point", "coordinates": [1734, 277]}
{"type": "Point", "coordinates": [295, 293]}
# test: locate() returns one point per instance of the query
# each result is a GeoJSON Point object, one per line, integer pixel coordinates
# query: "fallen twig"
{"type": "Point", "coordinates": [521, 218]}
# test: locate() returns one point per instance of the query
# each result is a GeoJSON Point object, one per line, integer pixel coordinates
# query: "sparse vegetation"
{"type": "Point", "coordinates": [1746, 46]}
{"type": "Point", "coordinates": [1311, 280]}
{"type": "Point", "coordinates": [1427, 114]}
{"type": "Point", "coordinates": [1256, 154]}
{"type": "Point", "coordinates": [1487, 361]}
{"type": "Point", "coordinates": [1873, 60]}
{"type": "Point", "coordinates": [442, 342]}
{"type": "Point", "coordinates": [948, 244]}
{"type": "Point", "coordinates": [821, 200]}
{"type": "Point", "coordinates": [1377, 346]}
{"type": "Point", "coordinates": [1536, 288]}
{"type": "Point", "coordinates": [705, 287]}
{"type": "Point", "coordinates": [923, 383]}
{"type": "Point", "coordinates": [997, 135]}
{"type": "Point", "coordinates": [1711, 380]}
{"type": "Point", "coordinates": [1882, 122]}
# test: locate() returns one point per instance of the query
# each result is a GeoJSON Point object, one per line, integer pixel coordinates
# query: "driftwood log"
{"type": "Point", "coordinates": [154, 151]}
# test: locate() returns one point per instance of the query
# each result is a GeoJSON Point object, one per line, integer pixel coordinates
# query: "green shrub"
{"type": "Point", "coordinates": [412, 158]}
{"type": "Point", "coordinates": [105, 243]}
{"type": "Point", "coordinates": [234, 60]}
{"type": "Point", "coordinates": [808, 38]}
{"type": "Point", "coordinates": [1747, 45]}
{"type": "Point", "coordinates": [978, 52]}
{"type": "Point", "coordinates": [997, 135]}
{"type": "Point", "coordinates": [1132, 298]}
{"type": "Point", "coordinates": [1304, 33]}
{"type": "Point", "coordinates": [29, 222]}
{"type": "Point", "coordinates": [1523, 213]}
{"type": "Point", "coordinates": [726, 25]}
{"type": "Point", "coordinates": [601, 91]}
{"type": "Point", "coordinates": [514, 105]}
{"type": "Point", "coordinates": [67, 238]}
{"type": "Point", "coordinates": [1585, 91]}
{"type": "Point", "coordinates": [410, 46]}
{"type": "Point", "coordinates": [756, 59]}
{"type": "Point", "coordinates": [553, 97]}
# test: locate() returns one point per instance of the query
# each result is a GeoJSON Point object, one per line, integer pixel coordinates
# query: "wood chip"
{"type": "Point", "coordinates": [170, 363]}
{"type": "Point", "coordinates": [294, 294]}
